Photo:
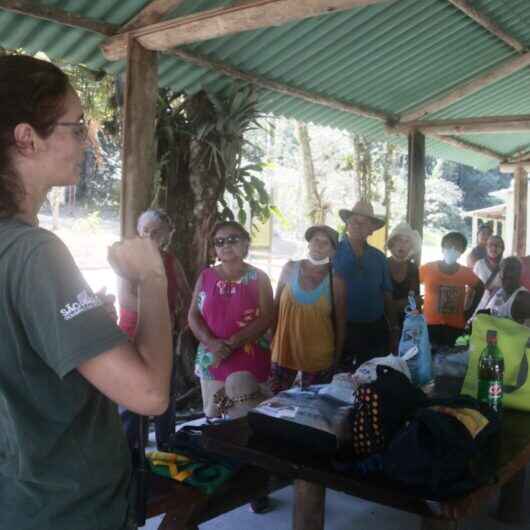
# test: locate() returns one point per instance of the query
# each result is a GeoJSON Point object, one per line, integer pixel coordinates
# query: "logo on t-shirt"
{"type": "Point", "coordinates": [85, 301]}
{"type": "Point", "coordinates": [448, 298]}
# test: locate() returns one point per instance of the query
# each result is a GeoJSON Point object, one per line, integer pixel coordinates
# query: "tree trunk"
{"type": "Point", "coordinates": [315, 210]}
{"type": "Point", "coordinates": [388, 181]}
{"type": "Point", "coordinates": [193, 189]}
{"type": "Point", "coordinates": [56, 198]}
{"type": "Point", "coordinates": [364, 182]}
{"type": "Point", "coordinates": [357, 185]}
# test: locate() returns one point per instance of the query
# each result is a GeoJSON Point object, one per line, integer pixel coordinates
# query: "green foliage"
{"type": "Point", "coordinates": [89, 223]}
{"type": "Point", "coordinates": [99, 185]}
{"type": "Point", "coordinates": [96, 91]}
{"type": "Point", "coordinates": [223, 130]}
{"type": "Point", "coordinates": [443, 201]}
{"type": "Point", "coordinates": [475, 185]}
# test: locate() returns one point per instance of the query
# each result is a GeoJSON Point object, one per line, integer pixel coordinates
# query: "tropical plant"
{"type": "Point", "coordinates": [203, 174]}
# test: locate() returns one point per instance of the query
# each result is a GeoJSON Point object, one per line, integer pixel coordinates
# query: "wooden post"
{"type": "Point", "coordinates": [309, 505]}
{"type": "Point", "coordinates": [474, 230]}
{"type": "Point", "coordinates": [520, 196]}
{"type": "Point", "coordinates": [138, 148]}
{"type": "Point", "coordinates": [416, 183]}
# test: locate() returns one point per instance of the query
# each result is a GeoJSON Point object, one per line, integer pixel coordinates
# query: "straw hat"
{"type": "Point", "coordinates": [365, 209]}
{"type": "Point", "coordinates": [403, 229]}
{"type": "Point", "coordinates": [332, 234]}
{"type": "Point", "coordinates": [240, 394]}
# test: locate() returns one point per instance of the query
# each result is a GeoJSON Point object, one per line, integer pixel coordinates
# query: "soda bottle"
{"type": "Point", "coordinates": [491, 373]}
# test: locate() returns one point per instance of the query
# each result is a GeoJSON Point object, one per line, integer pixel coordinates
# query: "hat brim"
{"type": "Point", "coordinates": [378, 222]}
{"type": "Point", "coordinates": [332, 234]}
{"type": "Point", "coordinates": [403, 229]}
{"type": "Point", "coordinates": [414, 238]}
{"type": "Point", "coordinates": [240, 410]}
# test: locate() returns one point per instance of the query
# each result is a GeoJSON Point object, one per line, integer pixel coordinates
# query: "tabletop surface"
{"type": "Point", "coordinates": [236, 439]}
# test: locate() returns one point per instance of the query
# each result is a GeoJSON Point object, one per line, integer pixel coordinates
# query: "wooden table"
{"type": "Point", "coordinates": [185, 507]}
{"type": "Point", "coordinates": [312, 475]}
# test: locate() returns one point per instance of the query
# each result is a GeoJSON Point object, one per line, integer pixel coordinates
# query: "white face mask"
{"type": "Point", "coordinates": [451, 255]}
{"type": "Point", "coordinates": [322, 261]}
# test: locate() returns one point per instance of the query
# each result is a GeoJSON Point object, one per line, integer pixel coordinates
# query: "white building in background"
{"type": "Point", "coordinates": [501, 218]}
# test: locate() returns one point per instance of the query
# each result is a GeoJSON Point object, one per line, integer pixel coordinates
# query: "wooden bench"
{"type": "Point", "coordinates": [185, 507]}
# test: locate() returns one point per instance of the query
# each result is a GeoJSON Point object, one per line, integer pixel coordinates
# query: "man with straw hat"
{"type": "Point", "coordinates": [365, 271]}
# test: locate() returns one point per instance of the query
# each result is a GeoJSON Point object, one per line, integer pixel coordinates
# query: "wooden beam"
{"type": "Point", "coordinates": [153, 12]}
{"type": "Point", "coordinates": [520, 201]}
{"type": "Point", "coordinates": [262, 82]}
{"type": "Point", "coordinates": [461, 144]}
{"type": "Point", "coordinates": [501, 71]}
{"type": "Point", "coordinates": [512, 167]}
{"type": "Point", "coordinates": [220, 22]}
{"type": "Point", "coordinates": [521, 153]}
{"type": "Point", "coordinates": [416, 183]}
{"type": "Point", "coordinates": [488, 24]}
{"type": "Point", "coordinates": [138, 149]}
{"type": "Point", "coordinates": [59, 16]}
{"type": "Point", "coordinates": [485, 125]}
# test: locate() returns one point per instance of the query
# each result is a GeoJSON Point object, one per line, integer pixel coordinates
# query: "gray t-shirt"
{"type": "Point", "coordinates": [64, 460]}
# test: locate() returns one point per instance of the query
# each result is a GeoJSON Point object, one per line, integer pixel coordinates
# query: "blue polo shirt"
{"type": "Point", "coordinates": [367, 278]}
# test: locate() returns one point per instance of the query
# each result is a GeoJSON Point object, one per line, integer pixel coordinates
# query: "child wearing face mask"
{"type": "Point", "coordinates": [446, 283]}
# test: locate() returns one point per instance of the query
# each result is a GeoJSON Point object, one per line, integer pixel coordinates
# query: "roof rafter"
{"type": "Point", "coordinates": [511, 167]}
{"type": "Point", "coordinates": [461, 144]}
{"type": "Point", "coordinates": [470, 87]}
{"type": "Point", "coordinates": [220, 22]}
{"type": "Point", "coordinates": [521, 153]}
{"type": "Point", "coordinates": [505, 69]}
{"type": "Point", "coordinates": [60, 16]}
{"type": "Point", "coordinates": [484, 125]}
{"type": "Point", "coordinates": [156, 9]}
{"type": "Point", "coordinates": [488, 24]}
{"type": "Point", "coordinates": [262, 82]}
{"type": "Point", "coordinates": [153, 12]}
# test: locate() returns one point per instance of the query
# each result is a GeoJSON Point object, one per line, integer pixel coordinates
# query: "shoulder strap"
{"type": "Point", "coordinates": [332, 298]}
{"type": "Point", "coordinates": [492, 276]}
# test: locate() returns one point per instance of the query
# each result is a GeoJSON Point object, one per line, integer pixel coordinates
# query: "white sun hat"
{"type": "Point", "coordinates": [403, 229]}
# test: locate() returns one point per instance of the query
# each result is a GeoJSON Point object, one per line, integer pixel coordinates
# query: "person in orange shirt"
{"type": "Point", "coordinates": [446, 283]}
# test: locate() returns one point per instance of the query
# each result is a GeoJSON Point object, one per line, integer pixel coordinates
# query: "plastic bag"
{"type": "Point", "coordinates": [416, 334]}
{"type": "Point", "coordinates": [342, 388]}
{"type": "Point", "coordinates": [367, 372]}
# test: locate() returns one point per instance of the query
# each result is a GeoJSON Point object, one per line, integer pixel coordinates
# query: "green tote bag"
{"type": "Point", "coordinates": [512, 340]}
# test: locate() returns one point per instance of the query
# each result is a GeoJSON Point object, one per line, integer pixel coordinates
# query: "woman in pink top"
{"type": "Point", "coordinates": [230, 312]}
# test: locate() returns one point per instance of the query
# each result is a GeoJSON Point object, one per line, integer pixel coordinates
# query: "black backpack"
{"type": "Point", "coordinates": [435, 456]}
{"type": "Point", "coordinates": [381, 409]}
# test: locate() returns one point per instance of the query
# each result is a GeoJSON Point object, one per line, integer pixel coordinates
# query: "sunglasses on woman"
{"type": "Point", "coordinates": [229, 240]}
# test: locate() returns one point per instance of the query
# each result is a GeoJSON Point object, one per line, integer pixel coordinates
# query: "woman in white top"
{"type": "Point", "coordinates": [487, 269]}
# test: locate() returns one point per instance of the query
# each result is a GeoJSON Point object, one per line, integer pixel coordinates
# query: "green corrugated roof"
{"type": "Point", "coordinates": [391, 56]}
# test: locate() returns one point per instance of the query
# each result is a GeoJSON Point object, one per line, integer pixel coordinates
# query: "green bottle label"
{"type": "Point", "coordinates": [490, 392]}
